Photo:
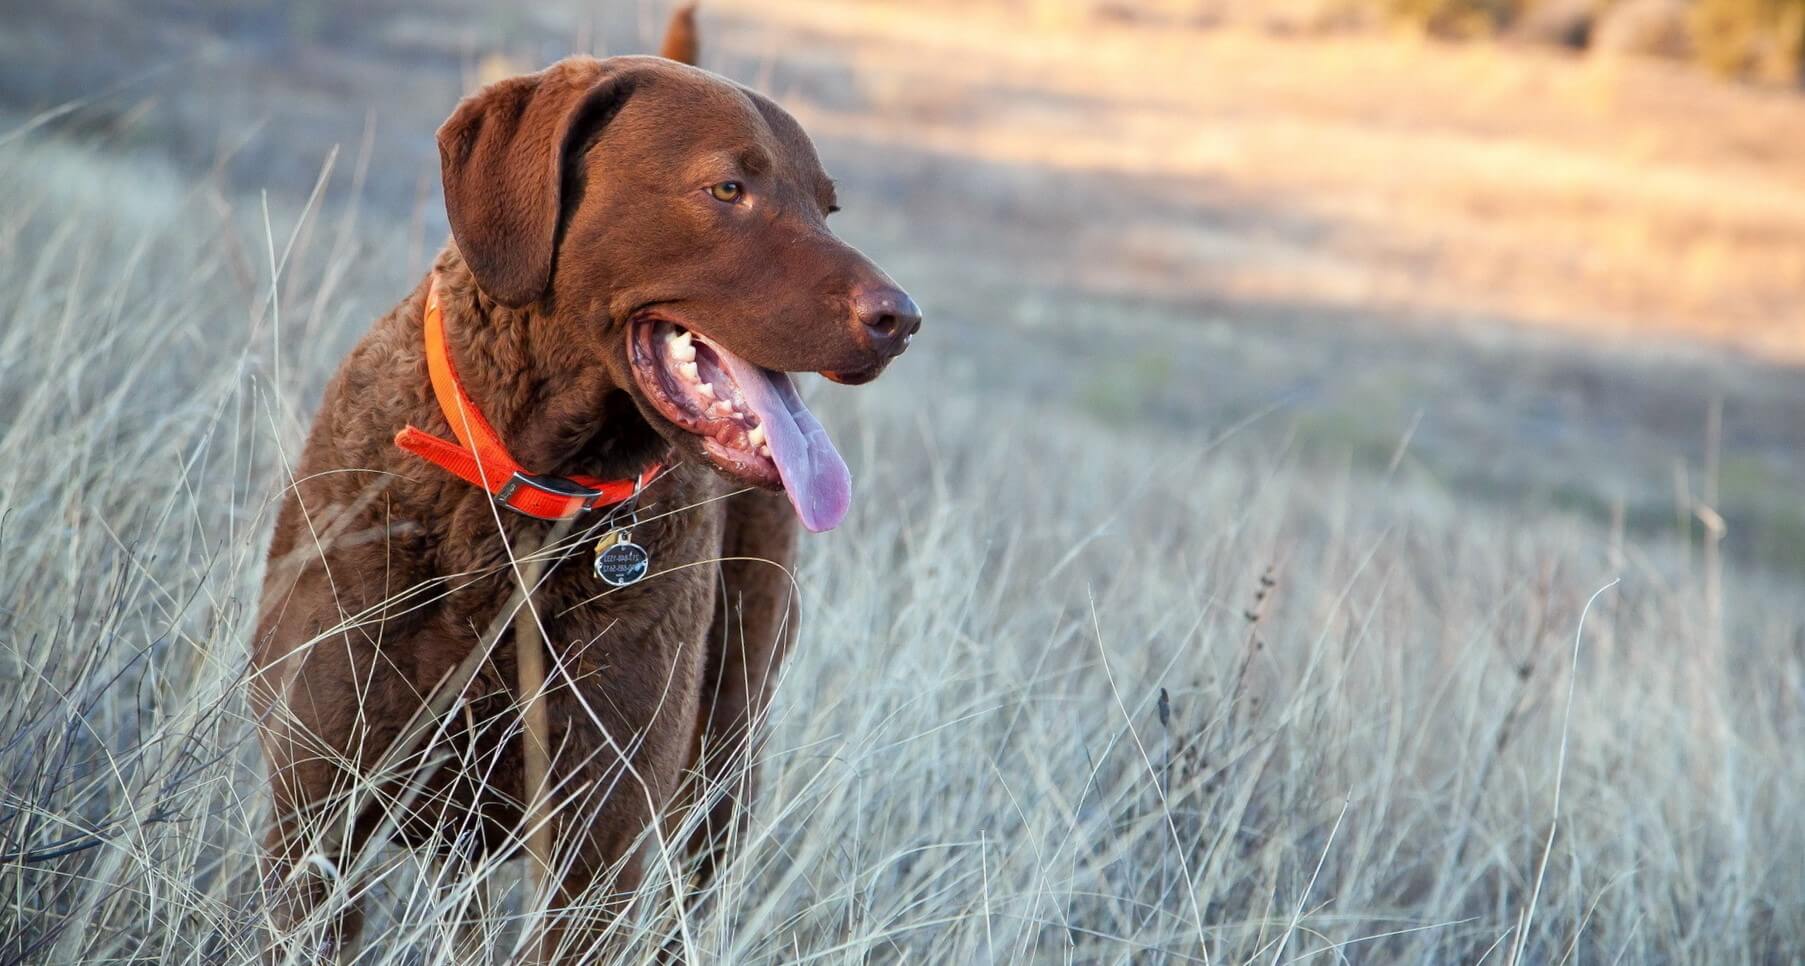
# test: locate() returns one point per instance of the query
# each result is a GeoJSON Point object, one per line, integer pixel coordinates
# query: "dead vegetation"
{"type": "Point", "coordinates": [1125, 654]}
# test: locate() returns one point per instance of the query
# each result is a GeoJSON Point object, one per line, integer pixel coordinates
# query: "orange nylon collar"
{"type": "Point", "coordinates": [479, 458]}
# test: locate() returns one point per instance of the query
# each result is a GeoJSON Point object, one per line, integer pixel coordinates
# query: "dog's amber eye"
{"type": "Point", "coordinates": [727, 191]}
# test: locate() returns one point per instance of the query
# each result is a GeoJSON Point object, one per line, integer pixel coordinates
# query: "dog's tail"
{"type": "Point", "coordinates": [681, 42]}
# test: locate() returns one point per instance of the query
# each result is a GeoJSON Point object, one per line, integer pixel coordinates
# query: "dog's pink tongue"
{"type": "Point", "coordinates": [814, 475]}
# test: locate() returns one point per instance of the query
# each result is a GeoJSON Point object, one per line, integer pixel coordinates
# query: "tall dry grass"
{"type": "Point", "coordinates": [1064, 691]}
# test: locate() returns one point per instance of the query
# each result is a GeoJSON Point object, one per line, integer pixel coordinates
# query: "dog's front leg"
{"type": "Point", "coordinates": [754, 623]}
{"type": "Point", "coordinates": [621, 738]}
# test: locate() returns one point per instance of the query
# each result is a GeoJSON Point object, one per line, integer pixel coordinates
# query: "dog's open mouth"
{"type": "Point", "coordinates": [751, 421]}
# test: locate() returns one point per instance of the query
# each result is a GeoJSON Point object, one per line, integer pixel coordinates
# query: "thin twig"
{"type": "Point", "coordinates": [529, 665]}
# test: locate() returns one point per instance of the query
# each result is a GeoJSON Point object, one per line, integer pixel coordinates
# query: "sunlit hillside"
{"type": "Point", "coordinates": [1343, 505]}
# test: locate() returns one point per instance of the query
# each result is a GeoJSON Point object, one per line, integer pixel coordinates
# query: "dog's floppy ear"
{"type": "Point", "coordinates": [681, 41]}
{"type": "Point", "coordinates": [502, 154]}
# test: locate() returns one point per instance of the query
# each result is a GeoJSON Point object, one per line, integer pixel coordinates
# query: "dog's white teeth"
{"type": "Point", "coordinates": [682, 350]}
{"type": "Point", "coordinates": [756, 437]}
{"type": "Point", "coordinates": [705, 390]}
{"type": "Point", "coordinates": [721, 408]}
{"type": "Point", "coordinates": [688, 371]}
{"type": "Point", "coordinates": [765, 451]}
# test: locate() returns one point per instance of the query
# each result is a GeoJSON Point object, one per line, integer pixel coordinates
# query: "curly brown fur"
{"type": "Point", "coordinates": [575, 201]}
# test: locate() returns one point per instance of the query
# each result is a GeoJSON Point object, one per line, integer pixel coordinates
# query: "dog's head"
{"type": "Point", "coordinates": [672, 226]}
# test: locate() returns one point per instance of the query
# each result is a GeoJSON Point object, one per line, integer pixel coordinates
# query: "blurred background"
{"type": "Point", "coordinates": [1296, 377]}
{"type": "Point", "coordinates": [1558, 245]}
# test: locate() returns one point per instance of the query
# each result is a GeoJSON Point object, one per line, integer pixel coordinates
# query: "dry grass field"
{"type": "Point", "coordinates": [1344, 505]}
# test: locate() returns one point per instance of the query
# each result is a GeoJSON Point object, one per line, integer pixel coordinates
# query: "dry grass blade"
{"type": "Point", "coordinates": [956, 768]}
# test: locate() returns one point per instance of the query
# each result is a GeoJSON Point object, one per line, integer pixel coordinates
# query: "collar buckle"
{"type": "Point", "coordinates": [553, 486]}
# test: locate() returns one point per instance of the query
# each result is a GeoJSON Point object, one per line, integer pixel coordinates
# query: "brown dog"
{"type": "Point", "coordinates": [639, 254]}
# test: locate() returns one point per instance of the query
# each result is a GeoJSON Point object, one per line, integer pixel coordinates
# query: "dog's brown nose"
{"type": "Point", "coordinates": [889, 317]}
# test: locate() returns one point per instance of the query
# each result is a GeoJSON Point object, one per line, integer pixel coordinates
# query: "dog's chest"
{"type": "Point", "coordinates": [675, 596]}
{"type": "Point", "coordinates": [679, 531]}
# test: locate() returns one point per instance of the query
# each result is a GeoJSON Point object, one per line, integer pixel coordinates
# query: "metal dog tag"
{"type": "Point", "coordinates": [619, 561]}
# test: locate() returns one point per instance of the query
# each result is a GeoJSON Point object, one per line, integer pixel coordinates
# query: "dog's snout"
{"type": "Point", "coordinates": [888, 317]}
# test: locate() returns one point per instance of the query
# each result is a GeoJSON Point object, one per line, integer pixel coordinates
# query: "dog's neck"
{"type": "Point", "coordinates": [556, 407]}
